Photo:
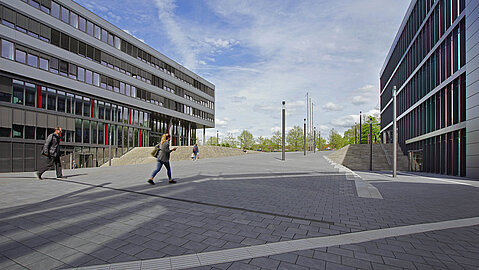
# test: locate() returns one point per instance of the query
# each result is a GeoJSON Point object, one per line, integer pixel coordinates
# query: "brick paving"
{"type": "Point", "coordinates": [109, 215]}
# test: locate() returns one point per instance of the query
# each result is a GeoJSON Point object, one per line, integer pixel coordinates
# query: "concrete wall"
{"type": "Point", "coordinates": [472, 88]}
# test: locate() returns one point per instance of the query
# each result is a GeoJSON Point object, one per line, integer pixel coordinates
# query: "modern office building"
{"type": "Point", "coordinates": [434, 65]}
{"type": "Point", "coordinates": [62, 65]}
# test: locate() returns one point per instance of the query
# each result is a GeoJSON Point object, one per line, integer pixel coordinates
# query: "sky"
{"type": "Point", "coordinates": [258, 53]}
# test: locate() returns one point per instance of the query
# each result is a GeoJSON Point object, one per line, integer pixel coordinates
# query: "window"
{"type": "Point", "coordinates": [81, 74]}
{"type": "Point", "coordinates": [97, 32]}
{"type": "Point", "coordinates": [96, 79]}
{"type": "Point", "coordinates": [74, 19]}
{"type": "Point", "coordinates": [82, 24]}
{"type": "Point", "coordinates": [101, 110]}
{"type": "Point", "coordinates": [117, 42]}
{"type": "Point", "coordinates": [55, 10]}
{"type": "Point", "coordinates": [110, 39]}
{"type": "Point", "coordinates": [32, 60]}
{"type": "Point", "coordinates": [4, 132]}
{"type": "Point", "coordinates": [78, 131]}
{"type": "Point", "coordinates": [86, 131]}
{"type": "Point", "coordinates": [65, 15]}
{"type": "Point", "coordinates": [94, 132]}
{"type": "Point", "coordinates": [30, 94]}
{"type": "Point", "coordinates": [17, 92]}
{"type": "Point", "coordinates": [61, 101]}
{"type": "Point", "coordinates": [128, 90]}
{"type": "Point", "coordinates": [34, 3]}
{"type": "Point", "coordinates": [17, 131]}
{"type": "Point", "coordinates": [78, 105]}
{"type": "Point", "coordinates": [63, 68]}
{"type": "Point", "coordinates": [41, 132]}
{"type": "Point", "coordinates": [43, 63]}
{"type": "Point", "coordinates": [88, 76]}
{"type": "Point", "coordinates": [72, 71]}
{"type": "Point", "coordinates": [107, 111]}
{"type": "Point", "coordinates": [65, 41]}
{"type": "Point", "coordinates": [86, 107]}
{"type": "Point", "coordinates": [89, 28]}
{"type": "Point", "coordinates": [7, 49]}
{"type": "Point", "coordinates": [104, 35]}
{"type": "Point", "coordinates": [45, 7]}
{"type": "Point", "coordinates": [122, 88]}
{"type": "Point", "coordinates": [101, 133]}
{"type": "Point", "coordinates": [20, 56]}
{"type": "Point", "coordinates": [29, 132]}
{"type": "Point", "coordinates": [43, 104]}
{"type": "Point", "coordinates": [70, 103]}
{"type": "Point", "coordinates": [54, 65]}
{"type": "Point", "coordinates": [52, 99]}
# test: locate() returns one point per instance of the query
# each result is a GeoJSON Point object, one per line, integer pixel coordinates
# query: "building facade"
{"type": "Point", "coordinates": [434, 65]}
{"type": "Point", "coordinates": [62, 65]}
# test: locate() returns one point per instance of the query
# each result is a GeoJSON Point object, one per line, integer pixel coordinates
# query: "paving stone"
{"type": "Point", "coordinates": [131, 249]}
{"type": "Point", "coordinates": [311, 262]}
{"type": "Point", "coordinates": [325, 256]}
{"type": "Point", "coordinates": [289, 266]}
{"type": "Point", "coordinates": [265, 263]}
{"type": "Point", "coordinates": [368, 257]}
{"type": "Point", "coordinates": [335, 266]}
{"type": "Point", "coordinates": [356, 263]}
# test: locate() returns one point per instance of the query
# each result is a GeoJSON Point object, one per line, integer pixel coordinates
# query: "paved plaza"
{"type": "Point", "coordinates": [244, 212]}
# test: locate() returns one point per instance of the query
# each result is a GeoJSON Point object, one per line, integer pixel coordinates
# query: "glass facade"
{"type": "Point", "coordinates": [427, 66]}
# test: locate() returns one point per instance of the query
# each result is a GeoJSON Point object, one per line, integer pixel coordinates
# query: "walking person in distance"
{"type": "Point", "coordinates": [51, 150]}
{"type": "Point", "coordinates": [163, 158]}
{"type": "Point", "coordinates": [195, 151]}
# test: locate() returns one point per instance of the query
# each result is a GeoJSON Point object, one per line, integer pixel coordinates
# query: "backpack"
{"type": "Point", "coordinates": [155, 151]}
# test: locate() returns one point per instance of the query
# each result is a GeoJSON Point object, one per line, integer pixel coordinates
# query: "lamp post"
{"type": "Point", "coordinates": [319, 140]}
{"type": "Point", "coordinates": [360, 126]}
{"type": "Point", "coordinates": [304, 144]}
{"type": "Point", "coordinates": [395, 138]}
{"type": "Point", "coordinates": [283, 133]}
{"type": "Point", "coordinates": [217, 138]}
{"type": "Point", "coordinates": [314, 140]}
{"type": "Point", "coordinates": [370, 143]}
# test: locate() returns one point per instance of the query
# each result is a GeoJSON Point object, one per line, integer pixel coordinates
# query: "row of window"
{"type": "Point", "coordinates": [30, 57]}
{"type": "Point", "coordinates": [449, 56]}
{"type": "Point", "coordinates": [62, 40]}
{"type": "Point", "coordinates": [443, 16]}
{"type": "Point", "coordinates": [69, 17]}
{"type": "Point", "coordinates": [28, 94]}
{"type": "Point", "coordinates": [445, 108]}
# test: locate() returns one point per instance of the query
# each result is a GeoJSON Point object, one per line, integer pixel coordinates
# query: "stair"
{"type": "Point", "coordinates": [141, 155]}
{"type": "Point", "coordinates": [356, 157]}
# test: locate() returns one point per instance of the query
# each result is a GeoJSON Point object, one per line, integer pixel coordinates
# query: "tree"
{"type": "Point", "coordinates": [246, 140]}
{"type": "Point", "coordinates": [212, 141]}
{"type": "Point", "coordinates": [365, 129]}
{"type": "Point", "coordinates": [336, 141]}
{"type": "Point", "coordinates": [295, 138]}
{"type": "Point", "coordinates": [277, 140]}
{"type": "Point", "coordinates": [230, 141]}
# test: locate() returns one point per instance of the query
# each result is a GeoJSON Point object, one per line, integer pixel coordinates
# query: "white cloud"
{"type": "Point", "coordinates": [221, 43]}
{"type": "Point", "coordinates": [329, 107]}
{"type": "Point", "coordinates": [128, 32]}
{"type": "Point", "coordinates": [364, 95]}
{"type": "Point", "coordinates": [345, 121]}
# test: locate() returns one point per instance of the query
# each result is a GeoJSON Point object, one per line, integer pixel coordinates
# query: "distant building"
{"type": "Point", "coordinates": [434, 63]}
{"type": "Point", "coordinates": [62, 65]}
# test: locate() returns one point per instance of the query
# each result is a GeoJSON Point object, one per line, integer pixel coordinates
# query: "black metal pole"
{"type": "Point", "coordinates": [360, 126]}
{"type": "Point", "coordinates": [355, 136]}
{"type": "Point", "coordinates": [283, 155]}
{"type": "Point", "coordinates": [314, 140]}
{"type": "Point", "coordinates": [319, 140]}
{"type": "Point", "coordinates": [304, 144]}
{"type": "Point", "coordinates": [370, 146]}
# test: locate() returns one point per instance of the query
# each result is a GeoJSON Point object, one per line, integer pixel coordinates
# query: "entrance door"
{"type": "Point", "coordinates": [415, 161]}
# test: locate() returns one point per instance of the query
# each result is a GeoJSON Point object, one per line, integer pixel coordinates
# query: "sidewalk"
{"type": "Point", "coordinates": [244, 212]}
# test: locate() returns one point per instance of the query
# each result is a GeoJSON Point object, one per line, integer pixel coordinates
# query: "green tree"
{"type": "Point", "coordinates": [365, 129]}
{"type": "Point", "coordinates": [276, 140]}
{"type": "Point", "coordinates": [336, 141]}
{"type": "Point", "coordinates": [230, 141]}
{"type": "Point", "coordinates": [212, 141]}
{"type": "Point", "coordinates": [246, 140]}
{"type": "Point", "coordinates": [295, 138]}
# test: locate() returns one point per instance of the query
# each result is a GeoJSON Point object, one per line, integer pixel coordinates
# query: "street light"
{"type": "Point", "coordinates": [360, 127]}
{"type": "Point", "coordinates": [304, 136]}
{"type": "Point", "coordinates": [314, 140]}
{"type": "Point", "coordinates": [355, 136]}
{"type": "Point", "coordinates": [283, 134]}
{"type": "Point", "coordinates": [217, 138]}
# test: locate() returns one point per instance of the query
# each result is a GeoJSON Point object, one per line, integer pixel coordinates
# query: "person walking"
{"type": "Point", "coordinates": [195, 151]}
{"type": "Point", "coordinates": [163, 158]}
{"type": "Point", "coordinates": [51, 150]}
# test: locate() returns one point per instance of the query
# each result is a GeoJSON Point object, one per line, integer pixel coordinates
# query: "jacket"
{"type": "Point", "coordinates": [51, 148]}
{"type": "Point", "coordinates": [164, 153]}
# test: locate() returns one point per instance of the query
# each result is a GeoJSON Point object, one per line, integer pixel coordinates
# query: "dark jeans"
{"type": "Point", "coordinates": [158, 168]}
{"type": "Point", "coordinates": [50, 163]}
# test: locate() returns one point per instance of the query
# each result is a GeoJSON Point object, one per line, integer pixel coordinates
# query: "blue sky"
{"type": "Point", "coordinates": [258, 53]}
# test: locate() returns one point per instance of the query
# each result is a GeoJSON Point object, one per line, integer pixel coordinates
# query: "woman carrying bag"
{"type": "Point", "coordinates": [163, 157]}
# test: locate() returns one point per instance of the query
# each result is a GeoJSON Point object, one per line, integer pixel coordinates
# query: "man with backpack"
{"type": "Point", "coordinates": [195, 151]}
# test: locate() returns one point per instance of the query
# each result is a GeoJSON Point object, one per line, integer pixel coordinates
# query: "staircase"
{"type": "Point", "coordinates": [141, 155]}
{"type": "Point", "coordinates": [356, 157]}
